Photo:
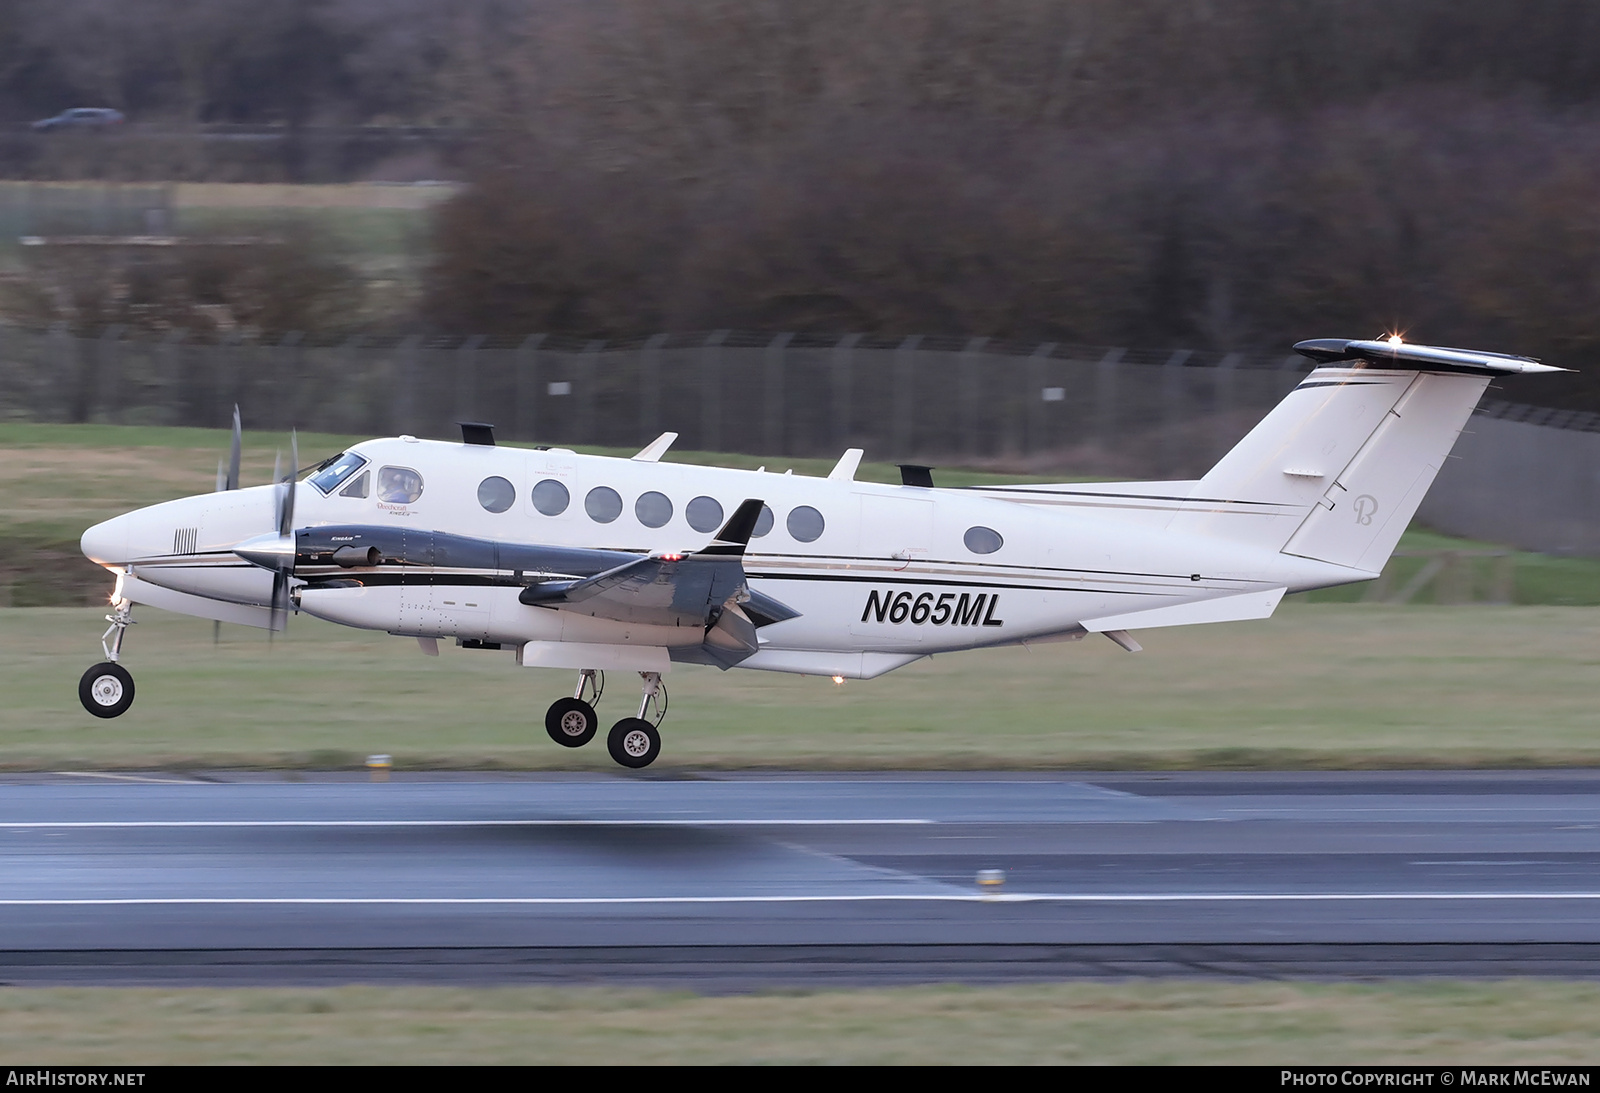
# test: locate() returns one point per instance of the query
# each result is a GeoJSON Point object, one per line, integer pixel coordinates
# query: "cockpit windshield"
{"type": "Point", "coordinates": [336, 471]}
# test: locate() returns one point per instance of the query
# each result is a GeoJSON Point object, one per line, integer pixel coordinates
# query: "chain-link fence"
{"type": "Point", "coordinates": [975, 400]}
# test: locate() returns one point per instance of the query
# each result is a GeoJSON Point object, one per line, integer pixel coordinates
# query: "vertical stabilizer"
{"type": "Point", "coordinates": [1336, 471]}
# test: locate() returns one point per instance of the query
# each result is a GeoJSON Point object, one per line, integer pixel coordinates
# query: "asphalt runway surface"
{"type": "Point", "coordinates": [742, 881]}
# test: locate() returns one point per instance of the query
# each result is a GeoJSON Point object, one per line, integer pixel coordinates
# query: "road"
{"type": "Point", "coordinates": [734, 881]}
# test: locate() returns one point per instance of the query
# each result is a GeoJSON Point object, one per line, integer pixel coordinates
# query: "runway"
{"type": "Point", "coordinates": [733, 881]}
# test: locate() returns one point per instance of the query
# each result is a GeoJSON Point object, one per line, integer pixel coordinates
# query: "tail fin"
{"type": "Point", "coordinates": [1336, 471]}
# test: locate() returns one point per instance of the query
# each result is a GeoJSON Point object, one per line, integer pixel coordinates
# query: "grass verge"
{"type": "Point", "coordinates": [1318, 686]}
{"type": "Point", "coordinates": [1517, 1022]}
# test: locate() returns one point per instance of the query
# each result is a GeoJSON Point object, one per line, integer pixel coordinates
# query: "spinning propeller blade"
{"type": "Point", "coordinates": [284, 491]}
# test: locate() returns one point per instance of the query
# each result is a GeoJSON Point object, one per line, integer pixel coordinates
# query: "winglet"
{"type": "Point", "coordinates": [657, 448]}
{"type": "Point", "coordinates": [735, 534]}
{"type": "Point", "coordinates": [845, 469]}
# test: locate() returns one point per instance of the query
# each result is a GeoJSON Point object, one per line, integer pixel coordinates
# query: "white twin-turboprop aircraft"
{"type": "Point", "coordinates": [593, 563]}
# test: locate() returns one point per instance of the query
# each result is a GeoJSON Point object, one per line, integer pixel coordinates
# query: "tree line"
{"type": "Point", "coordinates": [1231, 174]}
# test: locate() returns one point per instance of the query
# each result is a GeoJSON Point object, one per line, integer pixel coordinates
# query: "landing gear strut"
{"type": "Point", "coordinates": [572, 722]}
{"type": "Point", "coordinates": [633, 741]}
{"type": "Point", "coordinates": [106, 690]}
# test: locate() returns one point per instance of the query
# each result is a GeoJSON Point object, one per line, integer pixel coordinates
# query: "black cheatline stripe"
{"type": "Point", "coordinates": [1347, 383]}
{"type": "Point", "coordinates": [458, 580]}
{"type": "Point", "coordinates": [863, 579]}
{"type": "Point", "coordinates": [421, 575]}
{"type": "Point", "coordinates": [985, 565]}
{"type": "Point", "coordinates": [1125, 496]}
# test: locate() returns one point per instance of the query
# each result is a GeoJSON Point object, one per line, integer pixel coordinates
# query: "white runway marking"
{"type": "Point", "coordinates": [760, 822]}
{"type": "Point", "coordinates": [898, 897]}
{"type": "Point", "coordinates": [129, 778]}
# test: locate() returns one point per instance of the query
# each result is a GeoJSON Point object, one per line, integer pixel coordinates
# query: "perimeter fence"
{"type": "Point", "coordinates": [975, 400]}
{"type": "Point", "coordinates": [1520, 474]}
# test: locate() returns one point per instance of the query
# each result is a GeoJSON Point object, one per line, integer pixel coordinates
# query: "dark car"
{"type": "Point", "coordinates": [83, 117]}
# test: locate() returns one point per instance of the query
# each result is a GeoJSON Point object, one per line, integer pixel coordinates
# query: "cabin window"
{"type": "Point", "coordinates": [551, 497]}
{"type": "Point", "coordinates": [653, 509]}
{"type": "Point", "coordinates": [805, 524]}
{"type": "Point", "coordinates": [357, 486]}
{"type": "Point", "coordinates": [763, 522]}
{"type": "Point", "coordinates": [399, 485]}
{"type": "Point", "coordinates": [336, 470]}
{"type": "Point", "coordinates": [496, 494]}
{"type": "Point", "coordinates": [603, 504]}
{"type": "Point", "coordinates": [703, 514]}
{"type": "Point", "coordinates": [982, 540]}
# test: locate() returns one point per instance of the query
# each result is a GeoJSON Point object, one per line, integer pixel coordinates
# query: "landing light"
{"type": "Point", "coordinates": [838, 681]}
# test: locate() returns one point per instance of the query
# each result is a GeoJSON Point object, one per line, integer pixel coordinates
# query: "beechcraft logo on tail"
{"type": "Point", "coordinates": [945, 609]}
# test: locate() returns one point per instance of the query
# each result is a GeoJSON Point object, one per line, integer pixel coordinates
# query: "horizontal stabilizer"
{"type": "Point", "coordinates": [1394, 353]}
{"type": "Point", "coordinates": [1245, 605]}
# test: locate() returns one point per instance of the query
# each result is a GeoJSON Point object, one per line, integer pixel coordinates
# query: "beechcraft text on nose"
{"type": "Point", "coordinates": [944, 610]}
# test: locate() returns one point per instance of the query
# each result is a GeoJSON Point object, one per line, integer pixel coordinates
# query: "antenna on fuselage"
{"type": "Point", "coordinates": [845, 469]}
{"type": "Point", "coordinates": [477, 433]}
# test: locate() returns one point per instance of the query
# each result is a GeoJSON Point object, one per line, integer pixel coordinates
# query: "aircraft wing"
{"type": "Point", "coordinates": [669, 589]}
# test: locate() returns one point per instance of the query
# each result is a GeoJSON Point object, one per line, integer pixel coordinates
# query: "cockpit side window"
{"type": "Point", "coordinates": [336, 471]}
{"type": "Point", "coordinates": [357, 486]}
{"type": "Point", "coordinates": [399, 485]}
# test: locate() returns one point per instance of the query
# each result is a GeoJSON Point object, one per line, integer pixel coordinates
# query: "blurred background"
{"type": "Point", "coordinates": [1032, 235]}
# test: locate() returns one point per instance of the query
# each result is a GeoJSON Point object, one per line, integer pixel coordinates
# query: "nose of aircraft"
{"type": "Point", "coordinates": [107, 542]}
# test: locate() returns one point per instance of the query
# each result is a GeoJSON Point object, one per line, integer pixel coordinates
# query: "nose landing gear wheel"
{"type": "Point", "coordinates": [634, 742]}
{"type": "Point", "coordinates": [106, 690]}
{"type": "Point", "coordinates": [571, 722]}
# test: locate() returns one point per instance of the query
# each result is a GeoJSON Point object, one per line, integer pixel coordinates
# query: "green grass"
{"type": "Point", "coordinates": [1518, 1022]}
{"type": "Point", "coordinates": [1317, 686]}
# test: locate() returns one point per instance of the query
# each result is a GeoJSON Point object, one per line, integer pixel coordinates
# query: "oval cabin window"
{"type": "Point", "coordinates": [805, 524]}
{"type": "Point", "coordinates": [982, 540]}
{"type": "Point", "coordinates": [704, 514]}
{"type": "Point", "coordinates": [551, 497]}
{"type": "Point", "coordinates": [496, 494]}
{"type": "Point", "coordinates": [653, 509]}
{"type": "Point", "coordinates": [763, 522]}
{"type": "Point", "coordinates": [603, 504]}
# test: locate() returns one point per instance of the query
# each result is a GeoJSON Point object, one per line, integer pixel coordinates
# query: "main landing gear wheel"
{"type": "Point", "coordinates": [571, 722]}
{"type": "Point", "coordinates": [106, 690]}
{"type": "Point", "coordinates": [634, 742]}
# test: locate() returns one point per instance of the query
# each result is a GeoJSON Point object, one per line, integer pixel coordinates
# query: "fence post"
{"type": "Point", "coordinates": [589, 379]}
{"type": "Point", "coordinates": [967, 394]}
{"type": "Point", "coordinates": [711, 391]}
{"type": "Point", "coordinates": [406, 361]}
{"type": "Point", "coordinates": [904, 394]}
{"type": "Point", "coordinates": [286, 388]}
{"type": "Point", "coordinates": [772, 431]}
{"type": "Point", "coordinates": [1105, 398]}
{"type": "Point", "coordinates": [108, 373]}
{"type": "Point", "coordinates": [467, 378]}
{"type": "Point", "coordinates": [179, 406]}
{"type": "Point", "coordinates": [650, 388]}
{"type": "Point", "coordinates": [840, 374]}
{"type": "Point", "coordinates": [1034, 398]}
{"type": "Point", "coordinates": [527, 387]}
{"type": "Point", "coordinates": [1172, 407]}
{"type": "Point", "coordinates": [1226, 398]}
